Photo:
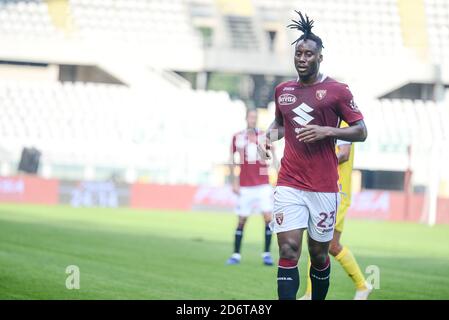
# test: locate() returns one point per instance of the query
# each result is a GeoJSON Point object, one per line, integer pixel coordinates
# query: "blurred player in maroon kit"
{"type": "Point", "coordinates": [308, 114]}
{"type": "Point", "coordinates": [252, 186]}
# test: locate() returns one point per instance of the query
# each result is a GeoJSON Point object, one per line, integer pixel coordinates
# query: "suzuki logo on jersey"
{"type": "Point", "coordinates": [286, 99]}
{"type": "Point", "coordinates": [303, 111]}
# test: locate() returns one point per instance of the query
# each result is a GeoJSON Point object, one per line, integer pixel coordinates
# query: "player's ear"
{"type": "Point", "coordinates": [320, 58]}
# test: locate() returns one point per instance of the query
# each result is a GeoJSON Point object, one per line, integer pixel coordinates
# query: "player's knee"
{"type": "Point", "coordinates": [318, 256]}
{"type": "Point", "coordinates": [267, 217]}
{"type": "Point", "coordinates": [242, 222]}
{"type": "Point", "coordinates": [289, 250]}
{"type": "Point", "coordinates": [319, 260]}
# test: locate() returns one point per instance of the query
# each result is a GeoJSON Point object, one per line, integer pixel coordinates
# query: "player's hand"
{"type": "Point", "coordinates": [312, 133]}
{"type": "Point", "coordinates": [263, 150]}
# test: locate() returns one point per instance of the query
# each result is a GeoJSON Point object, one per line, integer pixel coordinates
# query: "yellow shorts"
{"type": "Point", "coordinates": [341, 213]}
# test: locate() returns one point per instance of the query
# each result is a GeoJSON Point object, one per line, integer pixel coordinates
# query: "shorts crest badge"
{"type": "Point", "coordinates": [279, 218]}
{"type": "Point", "coordinates": [320, 94]}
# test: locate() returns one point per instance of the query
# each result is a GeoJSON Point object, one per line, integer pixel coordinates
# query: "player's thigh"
{"type": "Point", "coordinates": [290, 212]}
{"type": "Point", "coordinates": [323, 209]}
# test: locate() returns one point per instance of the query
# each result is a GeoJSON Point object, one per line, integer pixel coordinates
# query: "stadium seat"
{"type": "Point", "coordinates": [77, 124]}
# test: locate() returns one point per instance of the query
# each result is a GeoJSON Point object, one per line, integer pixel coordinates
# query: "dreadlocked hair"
{"type": "Point", "coordinates": [305, 25]}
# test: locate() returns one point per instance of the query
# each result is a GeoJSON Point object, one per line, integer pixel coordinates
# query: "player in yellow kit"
{"type": "Point", "coordinates": [345, 156]}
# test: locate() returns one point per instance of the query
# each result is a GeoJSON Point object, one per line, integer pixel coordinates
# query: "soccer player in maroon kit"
{"type": "Point", "coordinates": [308, 113]}
{"type": "Point", "coordinates": [251, 186]}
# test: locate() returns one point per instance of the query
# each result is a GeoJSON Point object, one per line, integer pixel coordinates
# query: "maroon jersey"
{"type": "Point", "coordinates": [312, 166]}
{"type": "Point", "coordinates": [253, 170]}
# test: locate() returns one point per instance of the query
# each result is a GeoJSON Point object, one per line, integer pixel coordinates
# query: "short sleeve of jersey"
{"type": "Point", "coordinates": [347, 108]}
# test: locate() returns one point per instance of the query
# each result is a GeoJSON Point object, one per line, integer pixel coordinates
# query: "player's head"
{"type": "Point", "coordinates": [307, 48]}
{"type": "Point", "coordinates": [251, 118]}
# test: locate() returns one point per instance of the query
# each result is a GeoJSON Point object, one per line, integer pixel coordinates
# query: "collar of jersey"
{"type": "Point", "coordinates": [302, 86]}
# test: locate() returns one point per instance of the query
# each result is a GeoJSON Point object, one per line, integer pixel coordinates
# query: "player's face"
{"type": "Point", "coordinates": [251, 119]}
{"type": "Point", "coordinates": [307, 59]}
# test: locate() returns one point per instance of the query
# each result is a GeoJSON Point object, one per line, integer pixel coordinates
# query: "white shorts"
{"type": "Point", "coordinates": [299, 209]}
{"type": "Point", "coordinates": [252, 199]}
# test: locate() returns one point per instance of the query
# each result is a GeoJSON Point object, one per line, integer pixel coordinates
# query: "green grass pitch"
{"type": "Point", "coordinates": [137, 254]}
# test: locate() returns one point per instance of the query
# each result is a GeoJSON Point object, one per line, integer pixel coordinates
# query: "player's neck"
{"type": "Point", "coordinates": [310, 81]}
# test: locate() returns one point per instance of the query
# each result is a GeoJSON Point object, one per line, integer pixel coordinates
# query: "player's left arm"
{"type": "Point", "coordinates": [347, 110]}
{"type": "Point", "coordinates": [355, 132]}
